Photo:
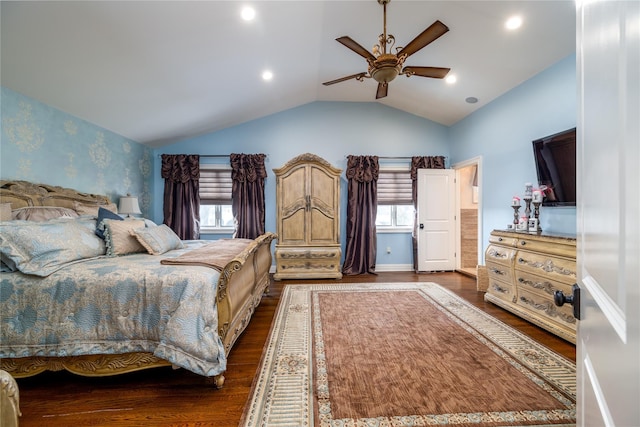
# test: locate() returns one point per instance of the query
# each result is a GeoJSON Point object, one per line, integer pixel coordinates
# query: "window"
{"type": "Point", "coordinates": [395, 205]}
{"type": "Point", "coordinates": [215, 199]}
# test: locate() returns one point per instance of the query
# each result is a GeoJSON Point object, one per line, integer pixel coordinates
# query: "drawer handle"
{"type": "Point", "coordinates": [522, 242]}
{"type": "Point", "coordinates": [499, 239]}
{"type": "Point", "coordinates": [496, 271]}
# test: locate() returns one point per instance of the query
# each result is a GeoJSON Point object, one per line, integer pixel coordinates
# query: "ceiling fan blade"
{"type": "Point", "coordinates": [434, 31]}
{"type": "Point", "coordinates": [358, 76]}
{"type": "Point", "coordinates": [354, 46]}
{"type": "Point", "coordinates": [434, 72]}
{"type": "Point", "coordinates": [382, 90]}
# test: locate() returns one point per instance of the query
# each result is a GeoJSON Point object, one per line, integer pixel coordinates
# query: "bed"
{"type": "Point", "coordinates": [99, 313]}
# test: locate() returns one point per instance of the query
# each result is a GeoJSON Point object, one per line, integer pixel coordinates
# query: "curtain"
{"type": "Point", "coordinates": [181, 208]}
{"type": "Point", "coordinates": [247, 194]}
{"type": "Point", "coordinates": [362, 177]}
{"type": "Point", "coordinates": [420, 162]}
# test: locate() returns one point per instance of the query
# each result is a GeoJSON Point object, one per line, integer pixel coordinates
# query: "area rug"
{"type": "Point", "coordinates": [402, 354]}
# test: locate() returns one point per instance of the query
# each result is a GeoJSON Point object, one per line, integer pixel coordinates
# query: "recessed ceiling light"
{"type": "Point", "coordinates": [451, 79]}
{"type": "Point", "coordinates": [267, 75]}
{"type": "Point", "coordinates": [248, 13]}
{"type": "Point", "coordinates": [471, 100]}
{"type": "Point", "coordinates": [513, 23]}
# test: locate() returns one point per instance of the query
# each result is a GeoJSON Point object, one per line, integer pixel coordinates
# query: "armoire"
{"type": "Point", "coordinates": [307, 219]}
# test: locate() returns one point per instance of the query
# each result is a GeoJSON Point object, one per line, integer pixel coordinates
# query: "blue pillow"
{"type": "Point", "coordinates": [102, 215]}
{"type": "Point", "coordinates": [40, 248]}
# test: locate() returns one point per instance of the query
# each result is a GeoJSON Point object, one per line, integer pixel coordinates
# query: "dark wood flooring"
{"type": "Point", "coordinates": [166, 397]}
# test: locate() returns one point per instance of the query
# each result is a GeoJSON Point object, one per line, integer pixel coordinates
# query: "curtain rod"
{"type": "Point", "coordinates": [398, 157]}
{"type": "Point", "coordinates": [210, 155]}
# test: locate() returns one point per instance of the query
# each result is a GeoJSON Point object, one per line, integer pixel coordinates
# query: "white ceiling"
{"type": "Point", "coordinates": [160, 71]}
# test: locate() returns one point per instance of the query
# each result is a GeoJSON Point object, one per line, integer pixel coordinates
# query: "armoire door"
{"type": "Point", "coordinates": [322, 204]}
{"type": "Point", "coordinates": [293, 198]}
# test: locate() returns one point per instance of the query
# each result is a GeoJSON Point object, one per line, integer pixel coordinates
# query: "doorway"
{"type": "Point", "coordinates": [468, 195]}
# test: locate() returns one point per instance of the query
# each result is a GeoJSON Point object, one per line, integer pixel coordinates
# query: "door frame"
{"type": "Point", "coordinates": [474, 161]}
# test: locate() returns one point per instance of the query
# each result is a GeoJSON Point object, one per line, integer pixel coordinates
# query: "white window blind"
{"type": "Point", "coordinates": [394, 187]}
{"type": "Point", "coordinates": [215, 185]}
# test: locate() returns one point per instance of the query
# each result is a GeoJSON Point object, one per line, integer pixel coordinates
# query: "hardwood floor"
{"type": "Point", "coordinates": [166, 397]}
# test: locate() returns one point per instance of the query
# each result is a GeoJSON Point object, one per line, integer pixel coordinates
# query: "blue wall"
{"type": "Point", "coordinates": [502, 133]}
{"type": "Point", "coordinates": [331, 130]}
{"type": "Point", "coordinates": [44, 145]}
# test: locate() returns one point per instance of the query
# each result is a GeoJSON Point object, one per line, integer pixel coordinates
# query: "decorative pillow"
{"type": "Point", "coordinates": [42, 213]}
{"type": "Point", "coordinates": [118, 238]}
{"type": "Point", "coordinates": [158, 240]}
{"type": "Point", "coordinates": [149, 223]}
{"type": "Point", "coordinates": [41, 248]}
{"type": "Point", "coordinates": [102, 215]}
{"type": "Point", "coordinates": [84, 209]}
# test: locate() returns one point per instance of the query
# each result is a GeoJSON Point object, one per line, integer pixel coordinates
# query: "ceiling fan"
{"type": "Point", "coordinates": [383, 66]}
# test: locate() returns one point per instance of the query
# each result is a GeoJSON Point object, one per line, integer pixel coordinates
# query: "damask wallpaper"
{"type": "Point", "coordinates": [42, 144]}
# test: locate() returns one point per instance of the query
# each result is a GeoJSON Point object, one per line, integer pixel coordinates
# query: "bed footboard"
{"type": "Point", "coordinates": [242, 283]}
{"type": "Point", "coordinates": [9, 401]}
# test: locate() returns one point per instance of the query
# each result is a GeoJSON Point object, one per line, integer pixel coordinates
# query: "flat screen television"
{"type": "Point", "coordinates": [555, 158]}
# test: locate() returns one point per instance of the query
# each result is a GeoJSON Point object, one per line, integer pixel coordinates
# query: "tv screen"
{"type": "Point", "coordinates": [555, 158]}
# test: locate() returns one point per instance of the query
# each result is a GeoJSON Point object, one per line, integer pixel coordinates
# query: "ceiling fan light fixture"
{"type": "Point", "coordinates": [385, 68]}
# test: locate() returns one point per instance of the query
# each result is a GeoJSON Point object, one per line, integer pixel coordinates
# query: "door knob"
{"type": "Point", "coordinates": [421, 226]}
{"type": "Point", "coordinates": [560, 299]}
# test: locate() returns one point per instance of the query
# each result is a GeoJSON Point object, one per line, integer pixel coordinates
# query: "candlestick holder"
{"type": "Point", "coordinates": [527, 208]}
{"type": "Point", "coordinates": [516, 216]}
{"type": "Point", "coordinates": [536, 215]}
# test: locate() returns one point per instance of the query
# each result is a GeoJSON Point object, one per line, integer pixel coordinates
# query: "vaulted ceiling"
{"type": "Point", "coordinates": [160, 71]}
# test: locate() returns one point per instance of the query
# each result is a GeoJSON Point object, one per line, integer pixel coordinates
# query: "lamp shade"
{"type": "Point", "coordinates": [128, 205]}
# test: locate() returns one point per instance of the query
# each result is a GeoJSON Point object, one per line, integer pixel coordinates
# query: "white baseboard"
{"type": "Point", "coordinates": [379, 267]}
{"type": "Point", "coordinates": [393, 267]}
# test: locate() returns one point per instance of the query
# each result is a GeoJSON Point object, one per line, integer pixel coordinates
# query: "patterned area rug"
{"type": "Point", "coordinates": [402, 354]}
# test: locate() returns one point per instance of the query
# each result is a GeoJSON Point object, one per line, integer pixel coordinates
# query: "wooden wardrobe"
{"type": "Point", "coordinates": [308, 219]}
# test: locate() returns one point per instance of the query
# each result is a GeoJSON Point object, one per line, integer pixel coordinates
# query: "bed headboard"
{"type": "Point", "coordinates": [23, 194]}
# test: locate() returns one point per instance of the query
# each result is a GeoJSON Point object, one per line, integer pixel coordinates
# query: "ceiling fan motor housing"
{"type": "Point", "coordinates": [385, 68]}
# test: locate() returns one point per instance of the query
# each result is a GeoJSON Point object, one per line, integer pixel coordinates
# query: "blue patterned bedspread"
{"type": "Point", "coordinates": [116, 305]}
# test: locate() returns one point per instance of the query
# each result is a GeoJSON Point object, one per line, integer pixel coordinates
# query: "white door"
{"type": "Point", "coordinates": [608, 211]}
{"type": "Point", "coordinates": [436, 220]}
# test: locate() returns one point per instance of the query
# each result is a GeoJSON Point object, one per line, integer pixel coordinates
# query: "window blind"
{"type": "Point", "coordinates": [215, 186]}
{"type": "Point", "coordinates": [394, 187]}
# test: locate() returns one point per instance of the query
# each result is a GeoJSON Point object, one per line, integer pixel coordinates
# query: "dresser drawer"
{"type": "Point", "coordinates": [499, 254]}
{"type": "Point", "coordinates": [503, 290]}
{"type": "Point", "coordinates": [546, 310]}
{"type": "Point", "coordinates": [554, 268]}
{"type": "Point", "coordinates": [499, 271]}
{"type": "Point", "coordinates": [541, 285]}
{"type": "Point", "coordinates": [503, 240]}
{"type": "Point", "coordinates": [558, 247]}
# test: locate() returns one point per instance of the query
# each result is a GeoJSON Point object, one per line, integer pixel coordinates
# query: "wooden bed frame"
{"type": "Point", "coordinates": [242, 283]}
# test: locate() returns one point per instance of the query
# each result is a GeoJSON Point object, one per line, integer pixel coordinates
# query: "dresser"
{"type": "Point", "coordinates": [308, 219]}
{"type": "Point", "coordinates": [525, 270]}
